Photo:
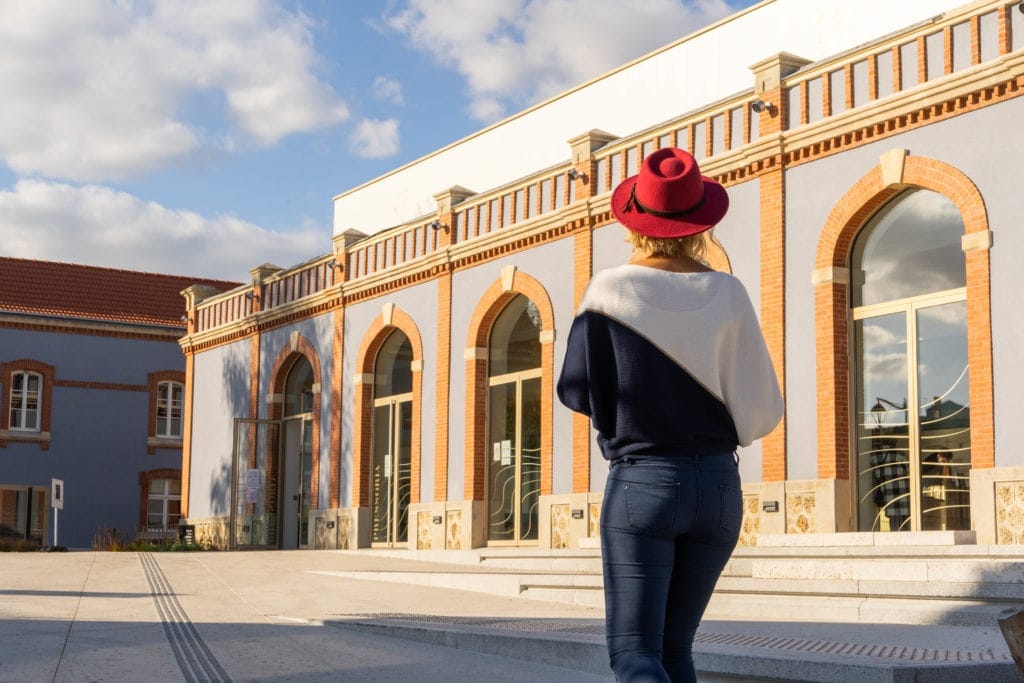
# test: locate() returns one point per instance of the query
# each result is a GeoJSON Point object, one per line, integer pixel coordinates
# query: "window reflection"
{"type": "Point", "coordinates": [912, 385]}
{"type": "Point", "coordinates": [910, 247]}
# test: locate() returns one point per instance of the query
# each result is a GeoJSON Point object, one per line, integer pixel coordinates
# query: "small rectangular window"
{"type": "Point", "coordinates": [26, 399]}
{"type": "Point", "coordinates": [168, 409]}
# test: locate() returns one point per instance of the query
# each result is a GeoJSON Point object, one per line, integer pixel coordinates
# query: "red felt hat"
{"type": "Point", "coordinates": [669, 197]}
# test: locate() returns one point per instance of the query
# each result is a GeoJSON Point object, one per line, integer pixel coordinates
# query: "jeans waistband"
{"type": "Point", "coordinates": [670, 460]}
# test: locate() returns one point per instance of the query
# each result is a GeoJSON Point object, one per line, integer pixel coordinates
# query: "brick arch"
{"type": "Point", "coordinates": [895, 174]}
{"type": "Point", "coordinates": [298, 346]}
{"type": "Point", "coordinates": [491, 304]}
{"type": "Point", "coordinates": [393, 318]}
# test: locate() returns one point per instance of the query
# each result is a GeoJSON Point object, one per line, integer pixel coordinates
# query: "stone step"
{"type": "Point", "coordinates": [744, 606]}
{"type": "Point", "coordinates": [732, 651]}
{"type": "Point", "coordinates": [923, 590]}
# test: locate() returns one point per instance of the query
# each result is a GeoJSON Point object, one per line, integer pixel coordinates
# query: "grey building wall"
{"type": "Point", "coordinates": [98, 436]}
{"type": "Point", "coordinates": [985, 146]}
{"type": "Point", "coordinates": [220, 394]}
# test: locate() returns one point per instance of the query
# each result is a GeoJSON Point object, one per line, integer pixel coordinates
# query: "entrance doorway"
{"type": "Point", "coordinates": [295, 493]}
{"type": "Point", "coordinates": [514, 412]}
{"type": "Point", "coordinates": [912, 383]}
{"type": "Point", "coordinates": [391, 454]}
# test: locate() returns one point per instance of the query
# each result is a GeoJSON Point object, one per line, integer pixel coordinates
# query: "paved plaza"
{"type": "Point", "coordinates": [319, 616]}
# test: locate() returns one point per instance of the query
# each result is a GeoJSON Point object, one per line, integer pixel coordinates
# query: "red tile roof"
{"type": "Point", "coordinates": [67, 290]}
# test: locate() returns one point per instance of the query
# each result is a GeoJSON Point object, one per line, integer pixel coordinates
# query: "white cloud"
{"type": "Point", "coordinates": [105, 90]}
{"type": "Point", "coordinates": [375, 139]}
{"type": "Point", "coordinates": [388, 90]}
{"type": "Point", "coordinates": [99, 226]}
{"type": "Point", "coordinates": [514, 53]}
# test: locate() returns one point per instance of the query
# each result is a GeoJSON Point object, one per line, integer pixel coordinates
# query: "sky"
{"type": "Point", "coordinates": [207, 137]}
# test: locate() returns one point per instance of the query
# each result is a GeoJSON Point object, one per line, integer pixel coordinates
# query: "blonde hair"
{"type": "Point", "coordinates": [694, 246]}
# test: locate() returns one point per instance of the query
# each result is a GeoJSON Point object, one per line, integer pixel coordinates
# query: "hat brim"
{"type": "Point", "coordinates": [711, 210]}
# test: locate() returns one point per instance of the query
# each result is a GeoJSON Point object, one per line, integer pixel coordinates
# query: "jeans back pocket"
{"type": "Point", "coordinates": [651, 508]}
{"type": "Point", "coordinates": [732, 508]}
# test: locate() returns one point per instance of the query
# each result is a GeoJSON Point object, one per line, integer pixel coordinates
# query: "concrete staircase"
{"type": "Point", "coordinates": [908, 578]}
{"type": "Point", "coordinates": [837, 607]}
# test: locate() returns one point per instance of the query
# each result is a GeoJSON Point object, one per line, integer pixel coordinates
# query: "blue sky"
{"type": "Point", "coordinates": [205, 137]}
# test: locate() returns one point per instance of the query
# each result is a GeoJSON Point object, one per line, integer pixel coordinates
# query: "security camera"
{"type": "Point", "coordinates": [1020, 8]}
{"type": "Point", "coordinates": [758, 106]}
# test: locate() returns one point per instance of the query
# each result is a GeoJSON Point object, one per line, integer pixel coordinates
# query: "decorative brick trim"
{"type": "Point", "coordinates": [337, 380]}
{"type": "Point", "coordinates": [583, 270]}
{"type": "Point", "coordinates": [102, 386]}
{"type": "Point", "coordinates": [362, 434]}
{"type": "Point", "coordinates": [491, 303]}
{"type": "Point", "coordinates": [145, 478]}
{"type": "Point", "coordinates": [41, 437]}
{"type": "Point", "coordinates": [153, 384]}
{"type": "Point", "coordinates": [283, 363]}
{"type": "Point", "coordinates": [773, 308]}
{"type": "Point", "coordinates": [442, 390]}
{"type": "Point", "coordinates": [186, 432]}
{"type": "Point", "coordinates": [832, 312]}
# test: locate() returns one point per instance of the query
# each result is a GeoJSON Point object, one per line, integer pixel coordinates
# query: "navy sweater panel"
{"type": "Point", "coordinates": [640, 401]}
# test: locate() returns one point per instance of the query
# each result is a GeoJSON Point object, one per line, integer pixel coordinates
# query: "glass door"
{"type": "Point", "coordinates": [391, 470]}
{"type": "Point", "coordinates": [254, 500]}
{"type": "Point", "coordinates": [913, 432]}
{"type": "Point", "coordinates": [514, 460]}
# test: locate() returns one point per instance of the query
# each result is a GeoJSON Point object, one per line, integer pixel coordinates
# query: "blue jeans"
{"type": "Point", "coordinates": [668, 527]}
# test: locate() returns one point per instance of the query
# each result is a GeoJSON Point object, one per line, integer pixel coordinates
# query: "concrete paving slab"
{"type": "Point", "coordinates": [301, 616]}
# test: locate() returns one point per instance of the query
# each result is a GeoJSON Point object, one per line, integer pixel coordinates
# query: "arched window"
{"type": "Point", "coordinates": [911, 380]}
{"type": "Point", "coordinates": [26, 400]}
{"type": "Point", "coordinates": [168, 409]}
{"type": "Point", "coordinates": [514, 423]}
{"type": "Point", "coordinates": [391, 459]}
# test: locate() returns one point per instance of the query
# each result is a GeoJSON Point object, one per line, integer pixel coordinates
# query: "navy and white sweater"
{"type": "Point", "coordinates": [669, 363]}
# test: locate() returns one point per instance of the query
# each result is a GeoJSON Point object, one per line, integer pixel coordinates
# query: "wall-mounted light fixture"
{"type": "Point", "coordinates": [437, 225]}
{"type": "Point", "coordinates": [758, 106]}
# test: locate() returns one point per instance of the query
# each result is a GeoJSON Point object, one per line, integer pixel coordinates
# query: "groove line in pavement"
{"type": "Point", "coordinates": [197, 662]}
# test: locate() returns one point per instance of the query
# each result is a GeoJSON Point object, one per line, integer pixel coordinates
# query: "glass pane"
{"type": "Point", "coordinates": [298, 397]}
{"type": "Point", "coordinates": [174, 487]}
{"type": "Point", "coordinates": [882, 428]}
{"type": "Point", "coordinates": [502, 462]}
{"type": "Point", "coordinates": [255, 463]}
{"type": "Point", "coordinates": [380, 474]}
{"type": "Point", "coordinates": [157, 486]}
{"type": "Point", "coordinates": [393, 369]}
{"type": "Point", "coordinates": [155, 507]}
{"type": "Point", "coordinates": [910, 247]}
{"type": "Point", "coordinates": [305, 480]}
{"type": "Point", "coordinates": [945, 440]}
{"type": "Point", "coordinates": [529, 477]}
{"type": "Point", "coordinates": [515, 338]}
{"type": "Point", "coordinates": [155, 521]}
{"type": "Point", "coordinates": [403, 447]}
